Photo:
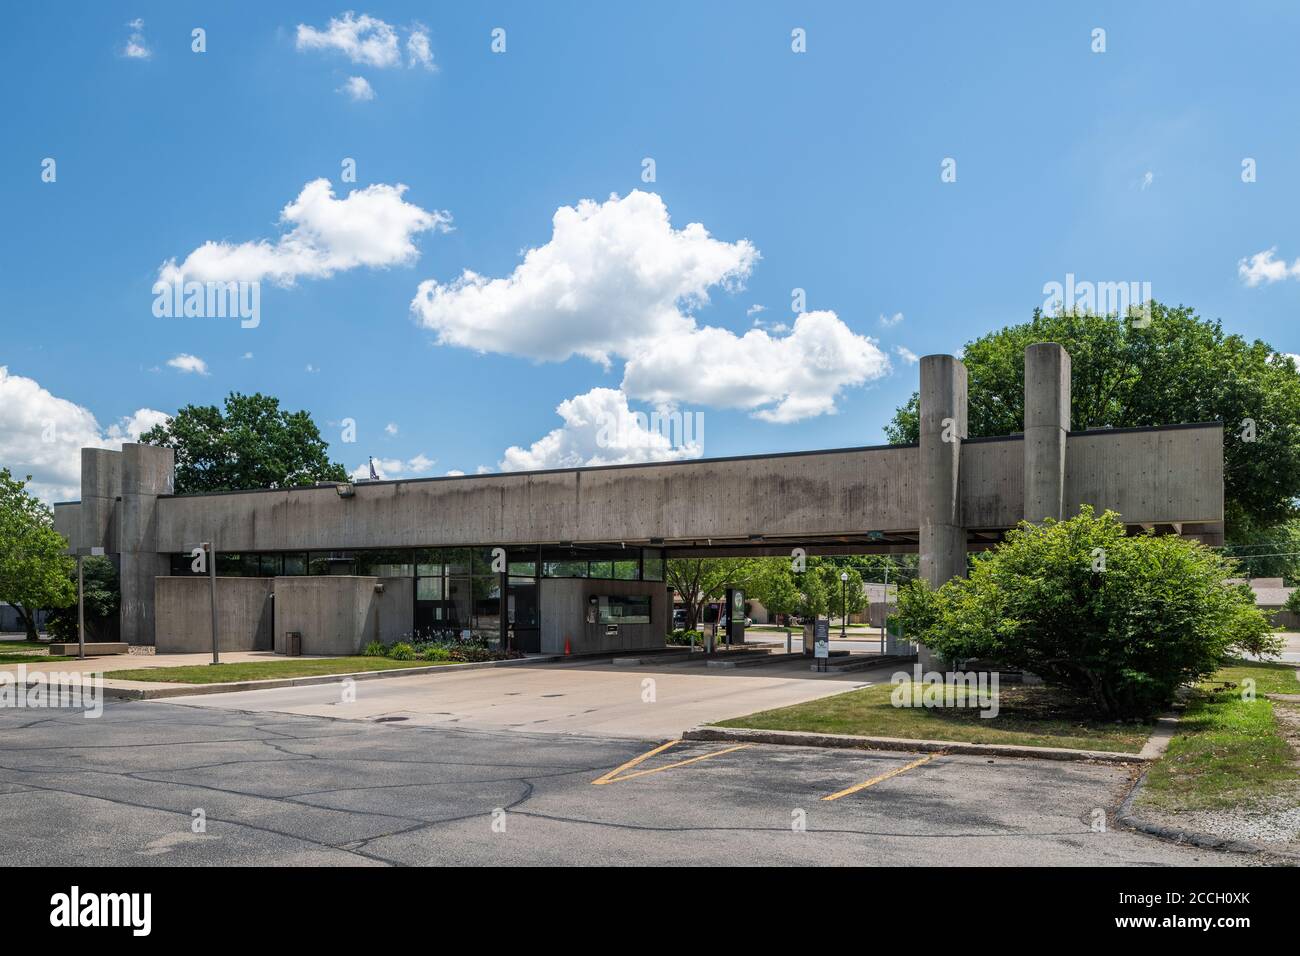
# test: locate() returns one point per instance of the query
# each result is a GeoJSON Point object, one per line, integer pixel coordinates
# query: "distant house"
{"type": "Point", "coordinates": [1270, 595]}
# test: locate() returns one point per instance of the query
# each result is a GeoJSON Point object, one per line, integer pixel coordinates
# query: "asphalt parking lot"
{"type": "Point", "coordinates": [278, 789]}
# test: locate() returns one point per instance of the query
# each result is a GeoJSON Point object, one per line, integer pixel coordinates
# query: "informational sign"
{"type": "Point", "coordinates": [822, 638]}
{"type": "Point", "coordinates": [735, 620]}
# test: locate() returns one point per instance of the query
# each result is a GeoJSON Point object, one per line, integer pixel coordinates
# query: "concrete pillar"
{"type": "Point", "coordinates": [101, 485]}
{"type": "Point", "coordinates": [147, 472]}
{"type": "Point", "coordinates": [943, 426]}
{"type": "Point", "coordinates": [1047, 423]}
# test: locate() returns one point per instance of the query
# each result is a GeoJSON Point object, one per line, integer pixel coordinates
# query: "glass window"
{"type": "Point", "coordinates": [270, 565]}
{"type": "Point", "coordinates": [564, 569]}
{"type": "Point", "coordinates": [457, 560]}
{"type": "Point", "coordinates": [652, 566]}
{"type": "Point", "coordinates": [385, 564]}
{"type": "Point", "coordinates": [429, 562]}
{"type": "Point", "coordinates": [487, 602]}
{"type": "Point", "coordinates": [460, 601]}
{"type": "Point", "coordinates": [601, 569]}
{"type": "Point", "coordinates": [632, 609]}
{"type": "Point", "coordinates": [626, 570]}
{"type": "Point", "coordinates": [295, 564]}
{"type": "Point", "coordinates": [332, 562]}
{"type": "Point", "coordinates": [428, 589]}
{"type": "Point", "coordinates": [229, 565]}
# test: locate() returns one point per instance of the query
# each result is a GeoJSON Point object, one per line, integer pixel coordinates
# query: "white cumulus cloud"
{"type": "Point", "coordinates": [372, 227]}
{"type": "Point", "coordinates": [364, 39]}
{"type": "Point", "coordinates": [357, 89]}
{"type": "Point", "coordinates": [42, 435]}
{"type": "Point", "coordinates": [600, 429]}
{"type": "Point", "coordinates": [616, 281]}
{"type": "Point", "coordinates": [136, 47]}
{"type": "Point", "coordinates": [188, 363]}
{"type": "Point", "coordinates": [1262, 267]}
{"type": "Point", "coordinates": [777, 378]}
{"type": "Point", "coordinates": [419, 51]}
{"type": "Point", "coordinates": [390, 468]}
{"type": "Point", "coordinates": [612, 274]}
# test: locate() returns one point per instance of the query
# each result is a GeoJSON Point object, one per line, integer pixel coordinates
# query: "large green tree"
{"type": "Point", "coordinates": [1178, 368]}
{"type": "Point", "coordinates": [701, 580]}
{"type": "Point", "coordinates": [34, 571]}
{"type": "Point", "coordinates": [254, 444]}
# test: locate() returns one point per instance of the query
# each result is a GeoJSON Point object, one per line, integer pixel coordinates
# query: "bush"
{"type": "Point", "coordinates": [1124, 621]}
{"type": "Point", "coordinates": [401, 651]}
{"type": "Point", "coordinates": [435, 653]}
{"type": "Point", "coordinates": [374, 649]}
{"type": "Point", "coordinates": [682, 637]}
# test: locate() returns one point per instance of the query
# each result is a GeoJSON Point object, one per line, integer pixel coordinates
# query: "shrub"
{"type": "Point", "coordinates": [401, 651]}
{"type": "Point", "coordinates": [374, 649]}
{"type": "Point", "coordinates": [1123, 620]}
{"type": "Point", "coordinates": [434, 652]}
{"type": "Point", "coordinates": [681, 637]}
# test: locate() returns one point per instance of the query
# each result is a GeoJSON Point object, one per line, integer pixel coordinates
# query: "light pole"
{"type": "Point", "coordinates": [844, 601]}
{"type": "Point", "coordinates": [81, 597]}
{"type": "Point", "coordinates": [211, 551]}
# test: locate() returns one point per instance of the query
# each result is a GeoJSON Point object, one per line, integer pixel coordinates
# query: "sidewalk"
{"type": "Point", "coordinates": [121, 662]}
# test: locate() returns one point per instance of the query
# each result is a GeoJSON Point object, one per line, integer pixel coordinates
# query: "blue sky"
{"type": "Point", "coordinates": [817, 170]}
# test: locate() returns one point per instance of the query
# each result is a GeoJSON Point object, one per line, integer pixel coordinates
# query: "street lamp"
{"type": "Point", "coordinates": [844, 601]}
{"type": "Point", "coordinates": [81, 597]}
{"type": "Point", "coordinates": [210, 550]}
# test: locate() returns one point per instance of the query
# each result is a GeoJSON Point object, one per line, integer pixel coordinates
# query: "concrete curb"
{"type": "Point", "coordinates": [1125, 817]}
{"type": "Point", "coordinates": [234, 687]}
{"type": "Point", "coordinates": [794, 738]}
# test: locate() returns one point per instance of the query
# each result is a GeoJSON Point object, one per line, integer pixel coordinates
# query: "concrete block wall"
{"type": "Point", "coordinates": [341, 614]}
{"type": "Point", "coordinates": [183, 614]}
{"type": "Point", "coordinates": [564, 603]}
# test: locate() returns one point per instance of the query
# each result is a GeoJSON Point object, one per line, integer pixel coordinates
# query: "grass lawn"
{"type": "Point", "coordinates": [1031, 716]}
{"type": "Point", "coordinates": [265, 670]}
{"type": "Point", "coordinates": [39, 658]}
{"type": "Point", "coordinates": [1228, 751]}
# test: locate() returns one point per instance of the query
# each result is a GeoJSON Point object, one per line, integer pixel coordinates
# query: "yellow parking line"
{"type": "Point", "coordinates": [608, 778]}
{"type": "Point", "coordinates": [884, 776]}
{"type": "Point", "coordinates": [613, 775]}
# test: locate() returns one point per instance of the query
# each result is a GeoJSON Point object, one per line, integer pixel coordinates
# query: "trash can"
{"type": "Point", "coordinates": [292, 643]}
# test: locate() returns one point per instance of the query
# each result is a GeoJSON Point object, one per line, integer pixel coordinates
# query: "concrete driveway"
{"type": "Point", "coordinates": [597, 699]}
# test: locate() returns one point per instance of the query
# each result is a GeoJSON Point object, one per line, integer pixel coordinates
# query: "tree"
{"type": "Point", "coordinates": [255, 444]}
{"type": "Point", "coordinates": [33, 567]}
{"type": "Point", "coordinates": [100, 596]}
{"type": "Point", "coordinates": [1178, 369]}
{"type": "Point", "coordinates": [700, 580]}
{"type": "Point", "coordinates": [1122, 620]}
{"type": "Point", "coordinates": [773, 585]}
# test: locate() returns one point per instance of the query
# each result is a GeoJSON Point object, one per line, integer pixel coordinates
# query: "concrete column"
{"type": "Point", "coordinates": [101, 485]}
{"type": "Point", "coordinates": [147, 472]}
{"type": "Point", "coordinates": [943, 426]}
{"type": "Point", "coordinates": [1047, 423]}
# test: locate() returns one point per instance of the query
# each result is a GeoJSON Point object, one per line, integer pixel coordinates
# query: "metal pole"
{"type": "Point", "coordinates": [81, 607]}
{"type": "Point", "coordinates": [844, 606]}
{"type": "Point", "coordinates": [212, 576]}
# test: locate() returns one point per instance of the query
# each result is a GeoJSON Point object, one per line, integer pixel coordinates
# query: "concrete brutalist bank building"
{"type": "Point", "coordinates": [583, 549]}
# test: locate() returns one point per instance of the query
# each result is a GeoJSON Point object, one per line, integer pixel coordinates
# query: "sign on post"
{"type": "Point", "coordinates": [822, 638]}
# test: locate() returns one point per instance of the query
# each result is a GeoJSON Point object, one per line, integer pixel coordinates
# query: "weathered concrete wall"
{"type": "Point", "coordinates": [146, 473]}
{"type": "Point", "coordinates": [183, 614]}
{"type": "Point", "coordinates": [67, 522]}
{"type": "Point", "coordinates": [564, 603]}
{"type": "Point", "coordinates": [1149, 476]}
{"type": "Point", "coordinates": [394, 610]}
{"type": "Point", "coordinates": [336, 614]}
{"type": "Point", "coordinates": [826, 493]}
{"type": "Point", "coordinates": [101, 485]}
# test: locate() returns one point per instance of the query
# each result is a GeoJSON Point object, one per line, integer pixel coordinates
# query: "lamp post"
{"type": "Point", "coordinates": [844, 601]}
{"type": "Point", "coordinates": [81, 597]}
{"type": "Point", "coordinates": [211, 552]}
